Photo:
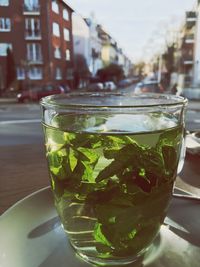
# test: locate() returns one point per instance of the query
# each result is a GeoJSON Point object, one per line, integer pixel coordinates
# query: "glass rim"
{"type": "Point", "coordinates": [52, 101]}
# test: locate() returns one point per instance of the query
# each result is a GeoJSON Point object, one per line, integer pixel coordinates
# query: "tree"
{"type": "Point", "coordinates": [112, 72]}
{"type": "Point", "coordinates": [10, 69]}
{"type": "Point", "coordinates": [168, 58]}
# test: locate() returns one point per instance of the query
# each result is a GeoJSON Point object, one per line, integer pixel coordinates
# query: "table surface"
{"type": "Point", "coordinates": [24, 171]}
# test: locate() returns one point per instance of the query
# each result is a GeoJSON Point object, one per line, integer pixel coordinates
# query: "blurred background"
{"type": "Point", "coordinates": [56, 46]}
{"type": "Point", "coordinates": [61, 46]}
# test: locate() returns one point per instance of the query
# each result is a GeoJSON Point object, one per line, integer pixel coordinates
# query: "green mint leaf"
{"type": "Point", "coordinates": [57, 162]}
{"type": "Point", "coordinates": [91, 155]}
{"type": "Point", "coordinates": [170, 158]}
{"type": "Point", "coordinates": [68, 137]}
{"type": "Point", "coordinates": [110, 153]}
{"type": "Point", "coordinates": [99, 236]}
{"type": "Point", "coordinates": [88, 174]}
{"type": "Point", "coordinates": [72, 159]}
{"type": "Point", "coordinates": [125, 157]}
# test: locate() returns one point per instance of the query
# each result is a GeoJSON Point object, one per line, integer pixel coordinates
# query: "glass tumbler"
{"type": "Point", "coordinates": [112, 161]}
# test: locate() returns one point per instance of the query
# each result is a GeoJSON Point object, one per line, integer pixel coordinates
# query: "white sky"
{"type": "Point", "coordinates": [135, 24]}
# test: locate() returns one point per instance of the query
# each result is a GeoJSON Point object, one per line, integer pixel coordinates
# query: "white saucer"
{"type": "Point", "coordinates": [31, 236]}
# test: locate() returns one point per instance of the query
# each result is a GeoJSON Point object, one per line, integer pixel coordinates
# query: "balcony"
{"type": "Point", "coordinates": [33, 35]}
{"type": "Point", "coordinates": [35, 60]}
{"type": "Point", "coordinates": [31, 9]}
{"type": "Point", "coordinates": [191, 16]}
{"type": "Point", "coordinates": [188, 60]}
{"type": "Point", "coordinates": [189, 38]}
{"type": "Point", "coordinates": [190, 24]}
{"type": "Point", "coordinates": [191, 19]}
{"type": "Point", "coordinates": [188, 80]}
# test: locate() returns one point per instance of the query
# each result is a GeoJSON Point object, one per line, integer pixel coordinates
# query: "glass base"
{"type": "Point", "coordinates": [147, 255]}
{"type": "Point", "coordinates": [114, 262]}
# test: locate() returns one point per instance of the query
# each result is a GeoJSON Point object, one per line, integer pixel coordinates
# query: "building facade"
{"type": "Point", "coordinates": [188, 50]}
{"type": "Point", "coordinates": [109, 52]}
{"type": "Point", "coordinates": [196, 80]}
{"type": "Point", "coordinates": [95, 46]}
{"type": "Point", "coordinates": [81, 44]}
{"type": "Point", "coordinates": [187, 47]}
{"type": "Point", "coordinates": [38, 35]}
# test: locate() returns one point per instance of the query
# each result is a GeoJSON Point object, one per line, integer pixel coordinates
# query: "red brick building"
{"type": "Point", "coordinates": [39, 34]}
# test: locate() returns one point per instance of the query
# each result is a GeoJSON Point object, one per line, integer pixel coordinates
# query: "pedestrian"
{"type": "Point", "coordinates": [62, 89]}
{"type": "Point", "coordinates": [174, 89]}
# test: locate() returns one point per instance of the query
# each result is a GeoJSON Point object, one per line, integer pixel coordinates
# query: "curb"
{"type": "Point", "coordinates": [8, 100]}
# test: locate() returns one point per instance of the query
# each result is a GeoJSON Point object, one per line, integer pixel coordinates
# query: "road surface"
{"type": "Point", "coordinates": [21, 124]}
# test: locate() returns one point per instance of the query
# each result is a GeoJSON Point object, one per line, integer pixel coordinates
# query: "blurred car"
{"type": "Point", "coordinates": [36, 93]}
{"type": "Point", "coordinates": [149, 87]}
{"type": "Point", "coordinates": [135, 79]}
{"type": "Point", "coordinates": [95, 87]}
{"type": "Point", "coordinates": [124, 83]}
{"type": "Point", "coordinates": [110, 86]}
{"type": "Point", "coordinates": [99, 86]}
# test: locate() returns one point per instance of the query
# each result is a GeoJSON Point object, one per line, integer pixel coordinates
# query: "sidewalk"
{"type": "Point", "coordinates": [4, 100]}
{"type": "Point", "coordinates": [194, 105]}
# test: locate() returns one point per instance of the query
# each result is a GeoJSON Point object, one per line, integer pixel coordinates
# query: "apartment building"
{"type": "Point", "coordinates": [95, 46]}
{"type": "Point", "coordinates": [39, 35]}
{"type": "Point", "coordinates": [187, 48]}
{"type": "Point", "coordinates": [81, 43]}
{"type": "Point", "coordinates": [196, 80]}
{"type": "Point", "coordinates": [109, 53]}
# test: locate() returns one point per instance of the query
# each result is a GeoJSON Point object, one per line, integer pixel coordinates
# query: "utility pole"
{"type": "Point", "coordinates": [160, 68]}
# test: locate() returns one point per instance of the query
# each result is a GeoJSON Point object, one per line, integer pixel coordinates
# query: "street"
{"type": "Point", "coordinates": [21, 123]}
{"type": "Point", "coordinates": [193, 119]}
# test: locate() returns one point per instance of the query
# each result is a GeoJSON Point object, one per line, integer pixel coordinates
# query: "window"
{"type": "Point", "coordinates": [5, 25]}
{"type": "Point", "coordinates": [56, 29]}
{"type": "Point", "coordinates": [58, 75]}
{"type": "Point", "coordinates": [20, 73]}
{"type": "Point", "coordinates": [31, 5]}
{"type": "Point", "coordinates": [34, 52]}
{"type": "Point", "coordinates": [66, 34]}
{"type": "Point", "coordinates": [35, 73]}
{"type": "Point", "coordinates": [54, 6]}
{"type": "Point", "coordinates": [3, 49]}
{"type": "Point", "coordinates": [68, 56]}
{"type": "Point", "coordinates": [32, 27]}
{"type": "Point", "coordinates": [65, 14]}
{"type": "Point", "coordinates": [69, 74]}
{"type": "Point", "coordinates": [57, 53]}
{"type": "Point", "coordinates": [4, 2]}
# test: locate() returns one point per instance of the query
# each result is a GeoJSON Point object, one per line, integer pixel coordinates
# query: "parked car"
{"type": "Point", "coordinates": [95, 87]}
{"type": "Point", "coordinates": [149, 87]}
{"type": "Point", "coordinates": [99, 86]}
{"type": "Point", "coordinates": [124, 83]}
{"type": "Point", "coordinates": [36, 93]}
{"type": "Point", "coordinates": [134, 79]}
{"type": "Point", "coordinates": [110, 86]}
